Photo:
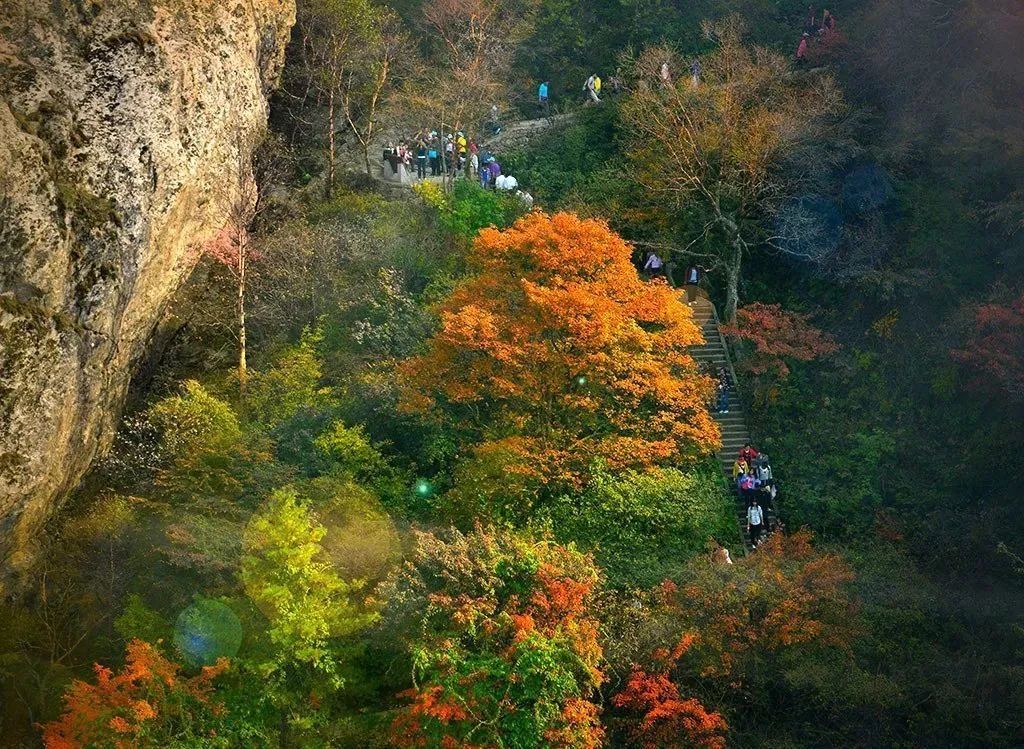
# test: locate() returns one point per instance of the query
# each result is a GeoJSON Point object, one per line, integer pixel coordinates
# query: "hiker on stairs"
{"type": "Point", "coordinates": [755, 522]}
{"type": "Point", "coordinates": [722, 386]}
{"type": "Point", "coordinates": [746, 485]}
{"type": "Point", "coordinates": [654, 266]}
{"type": "Point", "coordinates": [748, 454]}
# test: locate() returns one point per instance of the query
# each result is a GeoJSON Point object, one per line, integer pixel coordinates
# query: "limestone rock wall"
{"type": "Point", "coordinates": [120, 128]}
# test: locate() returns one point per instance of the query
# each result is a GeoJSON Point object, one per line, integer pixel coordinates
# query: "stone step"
{"type": "Point", "coordinates": [733, 425]}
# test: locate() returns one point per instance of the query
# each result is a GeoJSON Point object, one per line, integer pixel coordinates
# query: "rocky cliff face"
{"type": "Point", "coordinates": [121, 123]}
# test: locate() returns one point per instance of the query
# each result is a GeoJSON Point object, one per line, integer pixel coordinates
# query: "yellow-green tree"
{"type": "Point", "coordinates": [287, 576]}
{"type": "Point", "coordinates": [710, 156]}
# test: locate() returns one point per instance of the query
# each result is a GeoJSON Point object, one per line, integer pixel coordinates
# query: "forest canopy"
{"type": "Point", "coordinates": [574, 375]}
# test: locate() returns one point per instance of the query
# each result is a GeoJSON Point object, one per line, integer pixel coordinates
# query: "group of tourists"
{"type": "Point", "coordinates": [816, 32]}
{"type": "Point", "coordinates": [430, 151]}
{"type": "Point", "coordinates": [755, 484]}
{"type": "Point", "coordinates": [593, 85]}
{"type": "Point", "coordinates": [453, 154]}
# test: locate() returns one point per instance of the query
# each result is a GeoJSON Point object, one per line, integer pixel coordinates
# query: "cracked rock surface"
{"type": "Point", "coordinates": [120, 123]}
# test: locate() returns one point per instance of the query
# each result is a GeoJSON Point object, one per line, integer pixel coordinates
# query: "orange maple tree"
{"type": "Point", "coordinates": [556, 353]}
{"type": "Point", "coordinates": [147, 703]}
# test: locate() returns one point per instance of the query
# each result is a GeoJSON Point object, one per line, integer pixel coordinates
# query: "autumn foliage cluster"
{"type": "Point", "coordinates": [994, 354]}
{"type": "Point", "coordinates": [775, 336]}
{"type": "Point", "coordinates": [787, 595]}
{"type": "Point", "coordinates": [727, 631]}
{"type": "Point", "coordinates": [556, 354]}
{"type": "Point", "coordinates": [666, 719]}
{"type": "Point", "coordinates": [508, 652]}
{"type": "Point", "coordinates": [147, 703]}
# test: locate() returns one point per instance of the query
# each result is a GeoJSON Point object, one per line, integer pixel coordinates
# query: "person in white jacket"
{"type": "Point", "coordinates": [654, 265]}
{"type": "Point", "coordinates": [755, 521]}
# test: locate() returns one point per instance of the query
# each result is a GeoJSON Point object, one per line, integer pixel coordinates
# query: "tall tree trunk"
{"type": "Point", "coordinates": [330, 142]}
{"type": "Point", "coordinates": [732, 283]}
{"type": "Point", "coordinates": [242, 371]}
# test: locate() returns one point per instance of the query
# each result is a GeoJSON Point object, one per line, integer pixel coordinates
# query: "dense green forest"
{"type": "Point", "coordinates": [451, 480]}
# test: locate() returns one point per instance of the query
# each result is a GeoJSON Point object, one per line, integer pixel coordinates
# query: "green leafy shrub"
{"type": "Point", "coordinates": [644, 526]}
{"type": "Point", "coordinates": [361, 541]}
{"type": "Point", "coordinates": [291, 385]}
{"type": "Point", "coordinates": [194, 421]}
{"type": "Point", "coordinates": [563, 162]}
{"type": "Point", "coordinates": [348, 450]}
{"type": "Point", "coordinates": [470, 208]}
{"type": "Point", "coordinates": [139, 622]}
{"type": "Point", "coordinates": [489, 485]}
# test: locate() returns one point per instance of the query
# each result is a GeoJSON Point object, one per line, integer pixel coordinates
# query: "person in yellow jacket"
{"type": "Point", "coordinates": [461, 147]}
{"type": "Point", "coordinates": [740, 466]}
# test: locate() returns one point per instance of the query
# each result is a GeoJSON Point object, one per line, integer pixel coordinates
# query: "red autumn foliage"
{"type": "Point", "coordinates": [787, 595]}
{"type": "Point", "coordinates": [778, 335]}
{"type": "Point", "coordinates": [668, 720]}
{"type": "Point", "coordinates": [728, 631]}
{"type": "Point", "coordinates": [231, 248]}
{"type": "Point", "coordinates": [145, 699]}
{"type": "Point", "coordinates": [995, 353]}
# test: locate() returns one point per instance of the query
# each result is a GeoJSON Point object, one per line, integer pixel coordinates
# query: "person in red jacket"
{"type": "Point", "coordinates": [801, 51]}
{"type": "Point", "coordinates": [748, 454]}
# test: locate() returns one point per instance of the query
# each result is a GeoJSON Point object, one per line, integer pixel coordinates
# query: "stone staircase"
{"type": "Point", "coordinates": [735, 432]}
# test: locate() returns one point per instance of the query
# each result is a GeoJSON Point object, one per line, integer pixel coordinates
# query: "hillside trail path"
{"type": "Point", "coordinates": [735, 430]}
